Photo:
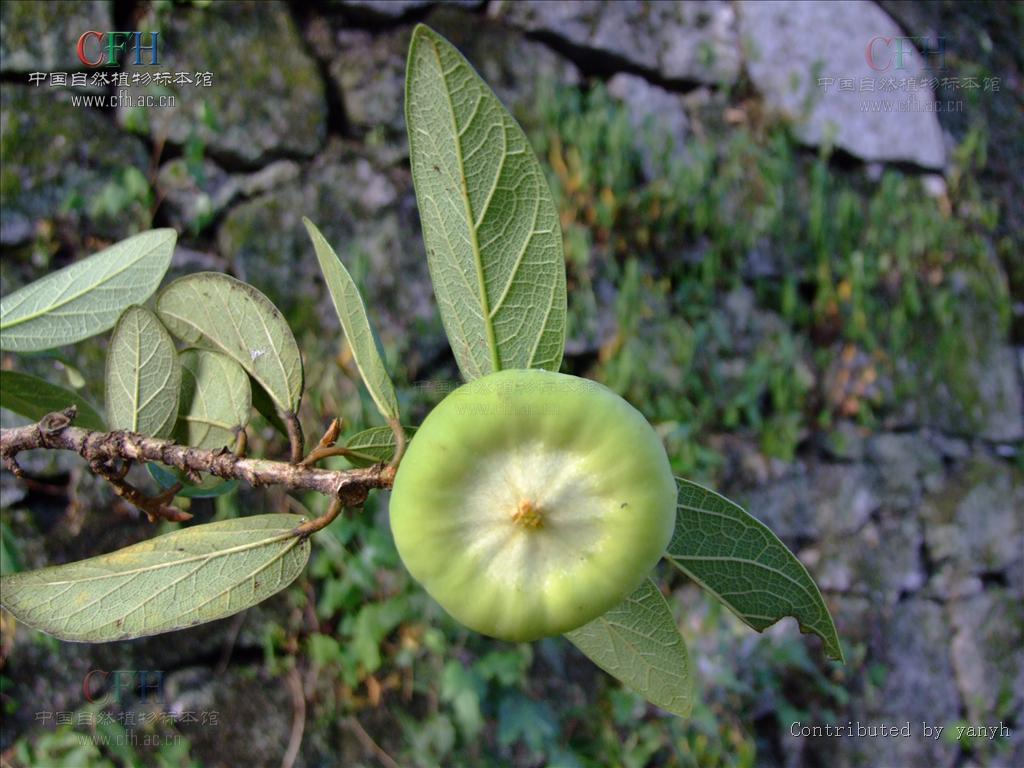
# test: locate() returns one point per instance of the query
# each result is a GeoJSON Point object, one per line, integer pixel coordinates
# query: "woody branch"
{"type": "Point", "coordinates": [55, 431]}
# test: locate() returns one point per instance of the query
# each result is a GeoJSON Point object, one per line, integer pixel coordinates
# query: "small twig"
{"type": "Point", "coordinates": [55, 432]}
{"type": "Point", "coordinates": [312, 526]}
{"type": "Point", "coordinates": [295, 439]}
{"type": "Point", "coordinates": [298, 718]}
{"type": "Point", "coordinates": [325, 445]}
{"type": "Point", "coordinates": [229, 643]}
{"type": "Point", "coordinates": [368, 743]}
{"type": "Point", "coordinates": [241, 443]}
{"type": "Point", "coordinates": [318, 454]}
{"type": "Point", "coordinates": [155, 507]}
{"type": "Point", "coordinates": [330, 437]}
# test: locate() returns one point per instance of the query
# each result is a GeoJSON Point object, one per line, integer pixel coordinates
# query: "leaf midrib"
{"type": "Point", "coordinates": [183, 561]}
{"type": "Point", "coordinates": [85, 289]}
{"type": "Point", "coordinates": [474, 241]}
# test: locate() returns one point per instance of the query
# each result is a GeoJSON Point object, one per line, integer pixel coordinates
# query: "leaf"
{"type": "Point", "coordinates": [87, 297]}
{"type": "Point", "coordinates": [638, 643]}
{"type": "Point", "coordinates": [522, 718]}
{"type": "Point", "coordinates": [739, 560]}
{"type": "Point", "coordinates": [33, 398]}
{"type": "Point", "coordinates": [494, 245]}
{"type": "Point", "coordinates": [352, 313]}
{"type": "Point", "coordinates": [183, 578]}
{"type": "Point", "coordinates": [373, 446]}
{"type": "Point", "coordinates": [265, 407]}
{"type": "Point", "coordinates": [215, 311]}
{"type": "Point", "coordinates": [10, 557]}
{"type": "Point", "coordinates": [215, 399]}
{"type": "Point", "coordinates": [143, 377]}
{"type": "Point", "coordinates": [215, 404]}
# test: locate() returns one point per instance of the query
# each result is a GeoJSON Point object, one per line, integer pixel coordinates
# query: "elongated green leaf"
{"type": "Point", "coordinates": [215, 399]}
{"type": "Point", "coordinates": [352, 313]}
{"type": "Point", "coordinates": [638, 643]}
{"type": "Point", "coordinates": [373, 446]}
{"type": "Point", "coordinates": [33, 398]}
{"type": "Point", "coordinates": [143, 378]}
{"type": "Point", "coordinates": [494, 245]}
{"type": "Point", "coordinates": [218, 312]}
{"type": "Point", "coordinates": [87, 297]}
{"type": "Point", "coordinates": [739, 560]}
{"type": "Point", "coordinates": [184, 578]}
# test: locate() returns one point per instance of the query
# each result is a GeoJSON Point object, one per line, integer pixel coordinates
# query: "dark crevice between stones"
{"type": "Point", "coordinates": [766, 730]}
{"type": "Point", "coordinates": [360, 17]}
{"type": "Point", "coordinates": [125, 14]}
{"type": "Point", "coordinates": [929, 566]}
{"type": "Point", "coordinates": [993, 579]}
{"type": "Point", "coordinates": [338, 124]}
{"type": "Point", "coordinates": [602, 65]}
{"type": "Point", "coordinates": [240, 656]}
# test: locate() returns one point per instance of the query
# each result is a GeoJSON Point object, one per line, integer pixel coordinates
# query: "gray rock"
{"type": "Point", "coordinates": [988, 654]}
{"type": "Point", "coordinates": [43, 37]}
{"type": "Point", "coordinates": [61, 161]}
{"type": "Point", "coordinates": [250, 712]}
{"type": "Point", "coordinates": [974, 526]}
{"type": "Point", "coordinates": [950, 447]}
{"type": "Point", "coordinates": [983, 397]}
{"type": "Point", "coordinates": [1002, 396]}
{"type": "Point", "coordinates": [788, 45]}
{"type": "Point", "coordinates": [395, 9]}
{"type": "Point", "coordinates": [518, 70]}
{"type": "Point", "coordinates": [683, 41]}
{"type": "Point", "coordinates": [366, 216]}
{"type": "Point", "coordinates": [185, 260]}
{"type": "Point", "coordinates": [193, 194]}
{"type": "Point", "coordinates": [268, 177]}
{"type": "Point", "coordinates": [369, 69]}
{"type": "Point", "coordinates": [904, 461]}
{"type": "Point", "coordinates": [658, 118]}
{"type": "Point", "coordinates": [919, 686]}
{"type": "Point", "coordinates": [15, 228]}
{"type": "Point", "coordinates": [880, 561]}
{"type": "Point", "coordinates": [266, 99]}
{"type": "Point", "coordinates": [846, 441]}
{"type": "Point", "coordinates": [826, 500]}
{"type": "Point", "coordinates": [391, 9]}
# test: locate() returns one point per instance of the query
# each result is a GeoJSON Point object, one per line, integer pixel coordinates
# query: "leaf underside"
{"type": "Point", "coordinates": [87, 297]}
{"type": "Point", "coordinates": [143, 377]}
{"type": "Point", "coordinates": [352, 314]}
{"type": "Point", "coordinates": [215, 399]}
{"type": "Point", "coordinates": [218, 312]}
{"type": "Point", "coordinates": [373, 446]}
{"type": "Point", "coordinates": [177, 580]}
{"type": "Point", "coordinates": [493, 240]}
{"type": "Point", "coordinates": [744, 564]}
{"type": "Point", "coordinates": [638, 643]}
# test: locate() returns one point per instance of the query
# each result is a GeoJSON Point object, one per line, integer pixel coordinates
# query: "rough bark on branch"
{"type": "Point", "coordinates": [55, 432]}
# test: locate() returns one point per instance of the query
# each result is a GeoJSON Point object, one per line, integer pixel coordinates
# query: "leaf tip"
{"type": "Point", "coordinates": [422, 31]}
